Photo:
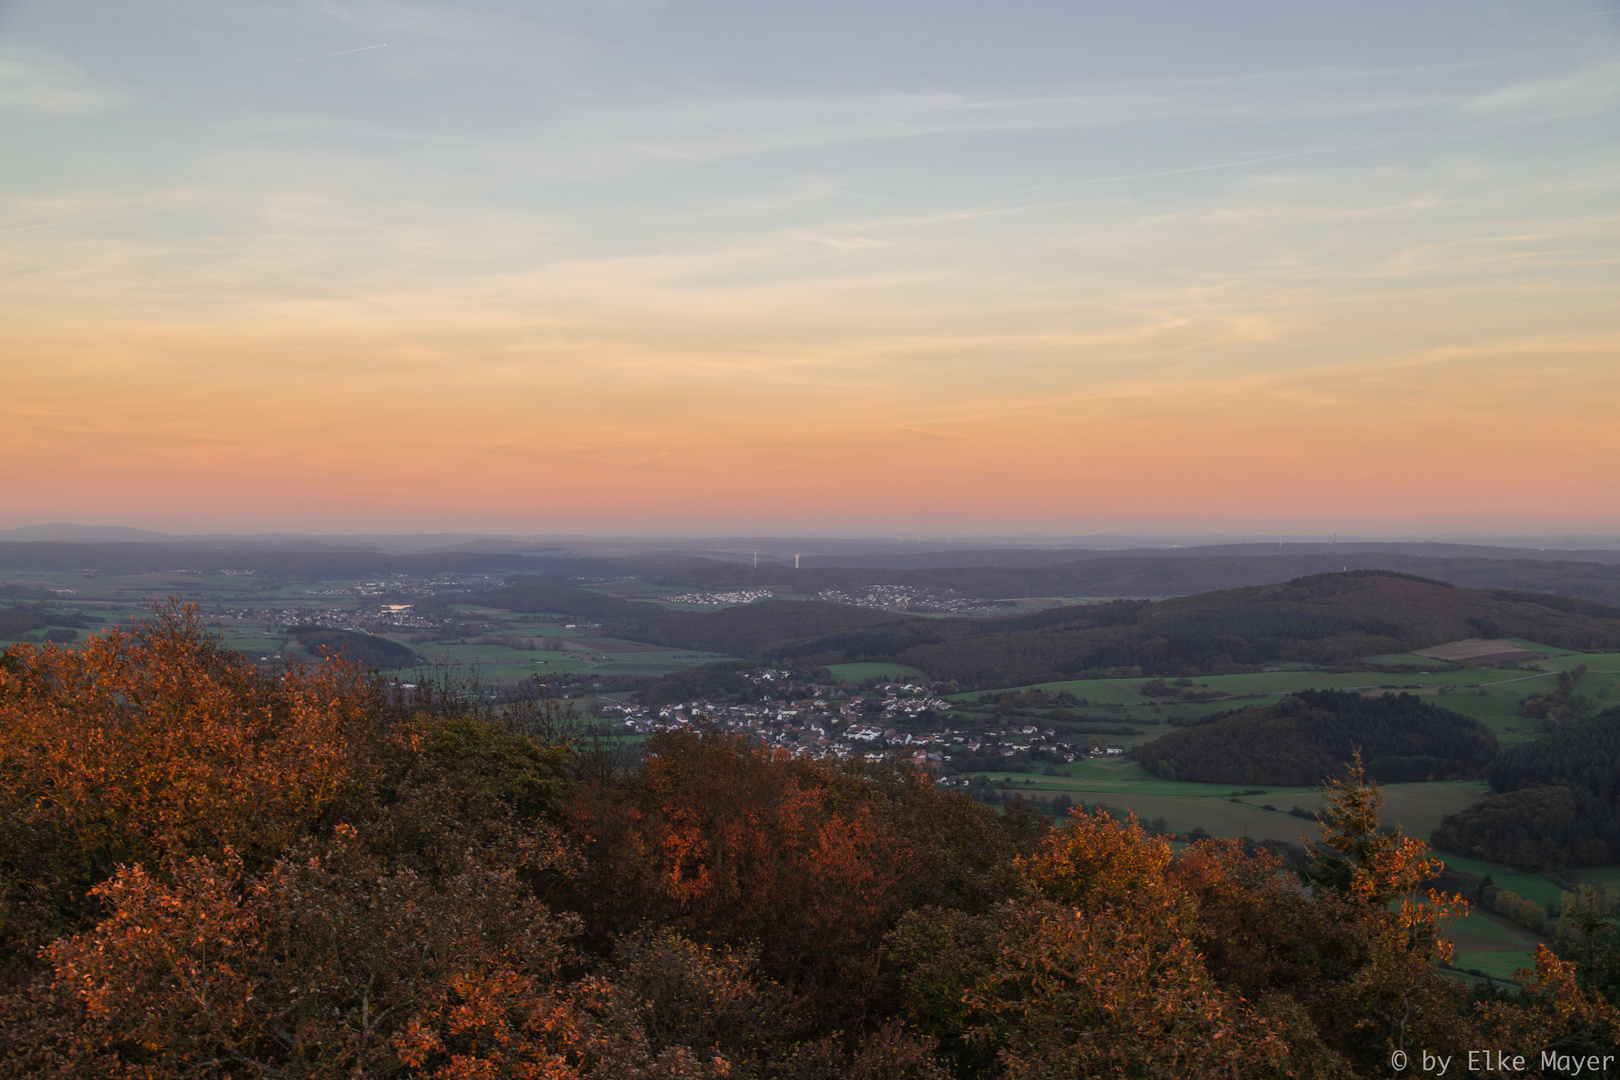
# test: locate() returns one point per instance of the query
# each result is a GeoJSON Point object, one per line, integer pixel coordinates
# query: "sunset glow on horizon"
{"type": "Point", "coordinates": [712, 266]}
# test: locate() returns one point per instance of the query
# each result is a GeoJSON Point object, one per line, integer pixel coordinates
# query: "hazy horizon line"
{"type": "Point", "coordinates": [78, 532]}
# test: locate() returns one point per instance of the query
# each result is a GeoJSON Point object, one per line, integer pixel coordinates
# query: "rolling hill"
{"type": "Point", "coordinates": [1325, 619]}
{"type": "Point", "coordinates": [762, 629]}
{"type": "Point", "coordinates": [1174, 573]}
{"type": "Point", "coordinates": [535, 597]}
{"type": "Point", "coordinates": [1308, 736]}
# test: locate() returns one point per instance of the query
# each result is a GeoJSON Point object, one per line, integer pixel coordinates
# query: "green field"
{"type": "Point", "coordinates": [1532, 886]}
{"type": "Point", "coordinates": [1491, 944]}
{"type": "Point", "coordinates": [1223, 810]}
{"type": "Point", "coordinates": [861, 672]}
{"type": "Point", "coordinates": [1486, 942]}
{"type": "Point", "coordinates": [1490, 695]}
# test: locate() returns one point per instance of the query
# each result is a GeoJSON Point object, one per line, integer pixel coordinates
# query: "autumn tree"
{"type": "Point", "coordinates": [1096, 973]}
{"type": "Point", "coordinates": [156, 744]}
{"type": "Point", "coordinates": [732, 844]}
{"type": "Point", "coordinates": [328, 965]}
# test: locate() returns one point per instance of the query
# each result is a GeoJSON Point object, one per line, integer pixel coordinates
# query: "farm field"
{"type": "Point", "coordinates": [1489, 695]}
{"type": "Point", "coordinates": [1488, 943]}
{"type": "Point", "coordinates": [1532, 886]}
{"type": "Point", "coordinates": [1222, 810]}
{"type": "Point", "coordinates": [253, 612]}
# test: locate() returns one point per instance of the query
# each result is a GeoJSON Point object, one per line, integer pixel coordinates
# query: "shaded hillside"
{"type": "Point", "coordinates": [366, 650]}
{"type": "Point", "coordinates": [14, 624]}
{"type": "Point", "coordinates": [1012, 557]}
{"type": "Point", "coordinates": [1168, 574]}
{"type": "Point", "coordinates": [1324, 619]}
{"type": "Point", "coordinates": [1307, 737]}
{"type": "Point", "coordinates": [709, 681]}
{"type": "Point", "coordinates": [17, 621]}
{"type": "Point", "coordinates": [534, 597]}
{"type": "Point", "coordinates": [1557, 801]}
{"type": "Point", "coordinates": [1328, 618]}
{"type": "Point", "coordinates": [761, 629]}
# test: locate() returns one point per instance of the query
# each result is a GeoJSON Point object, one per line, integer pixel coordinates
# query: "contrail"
{"type": "Point", "coordinates": [323, 56]}
{"type": "Point", "coordinates": [1588, 15]}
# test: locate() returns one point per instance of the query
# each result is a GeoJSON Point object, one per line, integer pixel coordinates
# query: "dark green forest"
{"type": "Point", "coordinates": [369, 651]}
{"type": "Point", "coordinates": [1557, 801]}
{"type": "Point", "coordinates": [1307, 737]}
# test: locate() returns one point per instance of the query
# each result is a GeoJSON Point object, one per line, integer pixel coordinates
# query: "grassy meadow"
{"type": "Point", "coordinates": [1489, 695]}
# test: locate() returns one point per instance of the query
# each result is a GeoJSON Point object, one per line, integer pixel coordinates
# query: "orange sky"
{"type": "Point", "coordinates": [510, 428]}
{"type": "Point", "coordinates": [1316, 284]}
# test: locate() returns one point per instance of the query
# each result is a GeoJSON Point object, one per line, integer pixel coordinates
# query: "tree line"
{"type": "Point", "coordinates": [1557, 800]}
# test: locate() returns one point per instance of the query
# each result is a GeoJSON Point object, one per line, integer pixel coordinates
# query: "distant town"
{"type": "Point", "coordinates": [820, 721]}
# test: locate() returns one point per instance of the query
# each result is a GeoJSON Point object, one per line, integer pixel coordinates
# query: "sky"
{"type": "Point", "coordinates": [626, 265]}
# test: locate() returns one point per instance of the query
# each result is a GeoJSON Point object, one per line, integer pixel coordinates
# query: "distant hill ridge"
{"type": "Point", "coordinates": [1325, 618]}
{"type": "Point", "coordinates": [1325, 552]}
{"type": "Point", "coordinates": [1592, 575]}
{"type": "Point", "coordinates": [1171, 574]}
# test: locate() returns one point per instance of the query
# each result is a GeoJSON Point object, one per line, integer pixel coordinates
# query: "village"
{"type": "Point", "coordinates": [893, 721]}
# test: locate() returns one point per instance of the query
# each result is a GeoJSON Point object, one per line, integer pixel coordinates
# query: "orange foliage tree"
{"type": "Point", "coordinates": [731, 843]}
{"type": "Point", "coordinates": [155, 744]}
{"type": "Point", "coordinates": [1102, 976]}
{"type": "Point", "coordinates": [329, 965]}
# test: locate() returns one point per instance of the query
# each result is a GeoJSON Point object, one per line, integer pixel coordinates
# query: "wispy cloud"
{"type": "Point", "coordinates": [34, 79]}
{"type": "Point", "coordinates": [695, 126]}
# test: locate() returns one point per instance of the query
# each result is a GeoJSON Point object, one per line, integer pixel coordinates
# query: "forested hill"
{"type": "Point", "coordinates": [1308, 737]}
{"type": "Point", "coordinates": [1169, 573]}
{"type": "Point", "coordinates": [371, 651]}
{"type": "Point", "coordinates": [1323, 619]}
{"type": "Point", "coordinates": [1557, 801]}
{"type": "Point", "coordinates": [534, 596]}
{"type": "Point", "coordinates": [1428, 552]}
{"type": "Point", "coordinates": [767, 627]}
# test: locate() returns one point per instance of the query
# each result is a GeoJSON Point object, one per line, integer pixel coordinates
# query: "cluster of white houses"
{"type": "Point", "coordinates": [835, 725]}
